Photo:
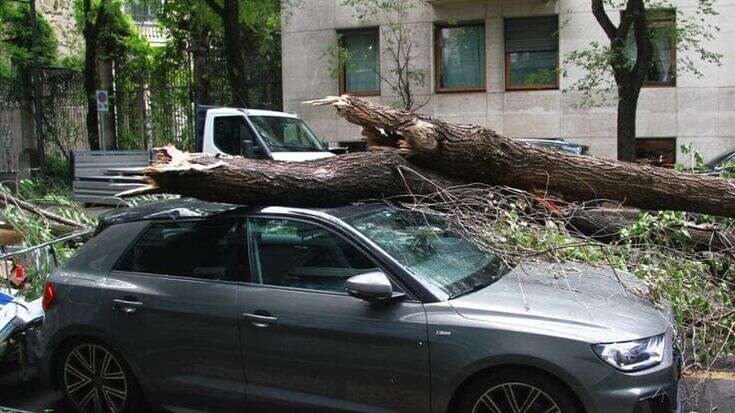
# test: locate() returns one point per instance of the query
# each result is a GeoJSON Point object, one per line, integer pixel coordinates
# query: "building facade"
{"type": "Point", "coordinates": [496, 63]}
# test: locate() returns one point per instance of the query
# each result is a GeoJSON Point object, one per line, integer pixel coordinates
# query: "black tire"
{"type": "Point", "coordinates": [94, 378]}
{"type": "Point", "coordinates": [523, 385]}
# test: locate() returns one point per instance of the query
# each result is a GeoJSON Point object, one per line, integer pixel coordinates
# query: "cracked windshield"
{"type": "Point", "coordinates": [426, 245]}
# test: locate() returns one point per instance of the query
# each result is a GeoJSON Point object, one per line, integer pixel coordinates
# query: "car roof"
{"type": "Point", "coordinates": [188, 208]}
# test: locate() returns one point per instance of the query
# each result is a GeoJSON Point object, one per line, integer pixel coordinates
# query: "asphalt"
{"type": "Point", "coordinates": [22, 391]}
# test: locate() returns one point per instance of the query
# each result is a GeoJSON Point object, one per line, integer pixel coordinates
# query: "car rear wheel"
{"type": "Point", "coordinates": [516, 391]}
{"type": "Point", "coordinates": [95, 379]}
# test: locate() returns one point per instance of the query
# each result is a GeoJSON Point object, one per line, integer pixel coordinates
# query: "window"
{"type": "Point", "coordinates": [229, 132]}
{"type": "Point", "coordinates": [301, 255]}
{"type": "Point", "coordinates": [460, 57]}
{"type": "Point", "coordinates": [662, 69]}
{"type": "Point", "coordinates": [360, 74]}
{"type": "Point", "coordinates": [656, 151]}
{"type": "Point", "coordinates": [532, 53]}
{"type": "Point", "coordinates": [211, 250]}
{"type": "Point", "coordinates": [286, 134]}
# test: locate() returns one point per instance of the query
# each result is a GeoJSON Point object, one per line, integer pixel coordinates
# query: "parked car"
{"type": "Point", "coordinates": [197, 306]}
{"type": "Point", "coordinates": [559, 144]}
{"type": "Point", "coordinates": [718, 166]}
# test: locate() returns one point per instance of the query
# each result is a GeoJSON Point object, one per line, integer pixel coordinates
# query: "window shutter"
{"type": "Point", "coordinates": [532, 34]}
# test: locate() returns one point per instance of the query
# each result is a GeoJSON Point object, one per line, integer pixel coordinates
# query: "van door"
{"type": "Point", "coordinates": [226, 133]}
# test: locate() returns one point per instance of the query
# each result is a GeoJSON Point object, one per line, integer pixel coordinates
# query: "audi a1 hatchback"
{"type": "Point", "coordinates": [195, 306]}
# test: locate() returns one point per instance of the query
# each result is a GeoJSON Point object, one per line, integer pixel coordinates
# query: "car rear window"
{"type": "Point", "coordinates": [212, 250]}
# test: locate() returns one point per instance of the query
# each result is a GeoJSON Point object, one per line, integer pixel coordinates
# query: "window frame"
{"type": "Point", "coordinates": [509, 87]}
{"type": "Point", "coordinates": [438, 57]}
{"type": "Point", "coordinates": [342, 70]}
{"type": "Point", "coordinates": [410, 296]}
{"type": "Point", "coordinates": [660, 18]}
{"type": "Point", "coordinates": [240, 221]}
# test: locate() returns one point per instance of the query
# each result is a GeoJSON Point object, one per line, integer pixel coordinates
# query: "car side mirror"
{"type": "Point", "coordinates": [248, 149]}
{"type": "Point", "coordinates": [371, 286]}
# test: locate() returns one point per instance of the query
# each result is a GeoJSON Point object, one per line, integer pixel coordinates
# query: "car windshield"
{"type": "Point", "coordinates": [284, 134]}
{"type": "Point", "coordinates": [426, 246]}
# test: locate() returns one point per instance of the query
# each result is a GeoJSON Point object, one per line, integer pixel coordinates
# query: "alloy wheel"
{"type": "Point", "coordinates": [515, 398]}
{"type": "Point", "coordinates": [94, 380]}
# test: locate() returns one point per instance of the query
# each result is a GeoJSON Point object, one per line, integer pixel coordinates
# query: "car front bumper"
{"type": "Point", "coordinates": [648, 391]}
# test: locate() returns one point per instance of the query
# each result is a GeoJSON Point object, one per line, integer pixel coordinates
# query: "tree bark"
{"type": "Point", "coordinates": [322, 183]}
{"type": "Point", "coordinates": [604, 224]}
{"type": "Point", "coordinates": [627, 113]}
{"type": "Point", "coordinates": [453, 153]}
{"type": "Point", "coordinates": [89, 33]}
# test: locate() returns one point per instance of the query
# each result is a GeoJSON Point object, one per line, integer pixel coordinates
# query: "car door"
{"type": "Point", "coordinates": [173, 305]}
{"type": "Point", "coordinates": [306, 342]}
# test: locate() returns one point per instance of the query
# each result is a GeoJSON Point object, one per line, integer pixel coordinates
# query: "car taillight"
{"type": "Point", "coordinates": [49, 294]}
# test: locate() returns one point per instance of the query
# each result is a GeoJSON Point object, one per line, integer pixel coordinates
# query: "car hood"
{"type": "Point", "coordinates": [576, 301]}
{"type": "Point", "coordinates": [299, 156]}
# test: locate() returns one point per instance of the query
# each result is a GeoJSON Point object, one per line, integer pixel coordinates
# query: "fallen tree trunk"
{"type": "Point", "coordinates": [447, 152]}
{"type": "Point", "coordinates": [604, 224]}
{"type": "Point", "coordinates": [321, 183]}
{"type": "Point", "coordinates": [476, 154]}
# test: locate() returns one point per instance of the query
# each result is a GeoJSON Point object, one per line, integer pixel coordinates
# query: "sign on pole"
{"type": "Point", "coordinates": [103, 101]}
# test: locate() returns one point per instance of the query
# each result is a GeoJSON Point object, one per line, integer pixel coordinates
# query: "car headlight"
{"type": "Point", "coordinates": [633, 355]}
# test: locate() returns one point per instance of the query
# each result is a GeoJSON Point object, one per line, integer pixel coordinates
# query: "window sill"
{"type": "Point", "coordinates": [529, 89]}
{"type": "Point", "coordinates": [463, 90]}
{"type": "Point", "coordinates": [361, 94]}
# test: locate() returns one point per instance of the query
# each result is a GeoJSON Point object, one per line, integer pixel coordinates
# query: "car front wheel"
{"type": "Point", "coordinates": [95, 379]}
{"type": "Point", "coordinates": [516, 391]}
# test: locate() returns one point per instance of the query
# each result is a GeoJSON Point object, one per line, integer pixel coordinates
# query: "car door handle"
{"type": "Point", "coordinates": [127, 306]}
{"type": "Point", "coordinates": [260, 320]}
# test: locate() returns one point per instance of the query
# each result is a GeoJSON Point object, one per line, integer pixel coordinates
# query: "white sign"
{"type": "Point", "coordinates": [103, 101]}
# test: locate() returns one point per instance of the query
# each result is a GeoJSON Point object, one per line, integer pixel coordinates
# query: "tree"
{"type": "Point", "coordinates": [439, 150]}
{"type": "Point", "coordinates": [398, 41]}
{"type": "Point", "coordinates": [627, 58]}
{"type": "Point", "coordinates": [109, 36]}
{"type": "Point", "coordinates": [251, 34]}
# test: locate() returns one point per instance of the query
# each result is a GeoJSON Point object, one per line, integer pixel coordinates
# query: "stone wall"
{"type": "Point", "coordinates": [60, 14]}
{"type": "Point", "coordinates": [701, 111]}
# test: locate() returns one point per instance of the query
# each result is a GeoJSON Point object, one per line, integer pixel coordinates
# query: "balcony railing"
{"type": "Point", "coordinates": [152, 32]}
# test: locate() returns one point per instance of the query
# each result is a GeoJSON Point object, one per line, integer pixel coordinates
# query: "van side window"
{"type": "Point", "coordinates": [210, 250]}
{"type": "Point", "coordinates": [229, 131]}
{"type": "Point", "coordinates": [302, 255]}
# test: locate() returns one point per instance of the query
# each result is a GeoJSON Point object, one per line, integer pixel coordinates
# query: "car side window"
{"type": "Point", "coordinates": [229, 131]}
{"type": "Point", "coordinates": [302, 255]}
{"type": "Point", "coordinates": [210, 250]}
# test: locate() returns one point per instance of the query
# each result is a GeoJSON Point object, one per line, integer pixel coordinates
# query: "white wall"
{"type": "Point", "coordinates": [701, 111]}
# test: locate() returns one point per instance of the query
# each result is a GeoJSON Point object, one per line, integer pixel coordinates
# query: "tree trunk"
{"type": "Point", "coordinates": [90, 76]}
{"type": "Point", "coordinates": [234, 45]}
{"type": "Point", "coordinates": [199, 55]}
{"type": "Point", "coordinates": [604, 224]}
{"type": "Point", "coordinates": [458, 153]}
{"type": "Point", "coordinates": [627, 111]}
{"type": "Point", "coordinates": [322, 183]}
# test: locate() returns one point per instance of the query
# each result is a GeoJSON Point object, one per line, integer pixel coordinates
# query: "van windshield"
{"type": "Point", "coordinates": [426, 246]}
{"type": "Point", "coordinates": [283, 134]}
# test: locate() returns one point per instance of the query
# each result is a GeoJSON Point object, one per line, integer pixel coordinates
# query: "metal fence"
{"type": "Point", "coordinates": [156, 111]}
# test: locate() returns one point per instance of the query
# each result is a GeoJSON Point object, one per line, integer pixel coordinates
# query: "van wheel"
{"type": "Point", "coordinates": [94, 378]}
{"type": "Point", "coordinates": [516, 391]}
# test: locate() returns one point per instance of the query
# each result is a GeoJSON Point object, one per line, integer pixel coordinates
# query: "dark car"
{"type": "Point", "coordinates": [720, 164]}
{"type": "Point", "coordinates": [559, 145]}
{"type": "Point", "coordinates": [195, 306]}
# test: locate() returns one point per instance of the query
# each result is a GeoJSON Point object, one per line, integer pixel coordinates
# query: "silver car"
{"type": "Point", "coordinates": [193, 306]}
